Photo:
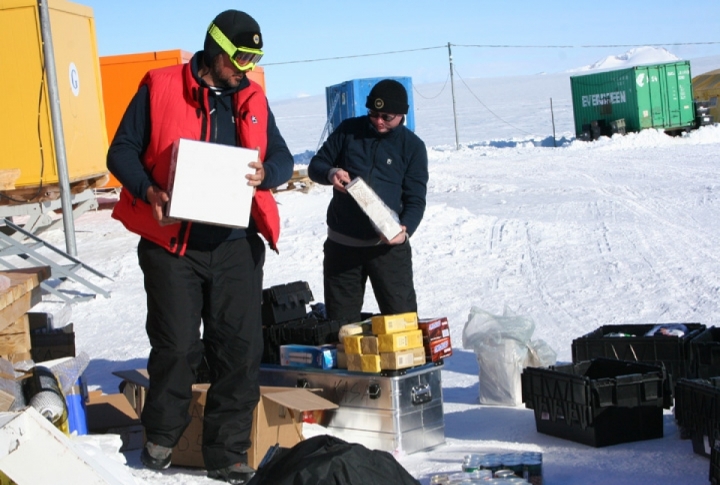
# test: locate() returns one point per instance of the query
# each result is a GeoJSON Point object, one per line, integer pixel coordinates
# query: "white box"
{"type": "Point", "coordinates": [33, 451]}
{"type": "Point", "coordinates": [207, 183]}
{"type": "Point", "coordinates": [380, 214]}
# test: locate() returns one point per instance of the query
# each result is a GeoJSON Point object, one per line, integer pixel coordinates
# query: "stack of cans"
{"type": "Point", "coordinates": [524, 465]}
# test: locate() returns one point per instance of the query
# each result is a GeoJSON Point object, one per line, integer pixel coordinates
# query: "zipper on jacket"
{"type": "Point", "coordinates": [375, 145]}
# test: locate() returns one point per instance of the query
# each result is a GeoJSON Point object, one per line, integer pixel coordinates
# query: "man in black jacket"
{"type": "Point", "coordinates": [392, 160]}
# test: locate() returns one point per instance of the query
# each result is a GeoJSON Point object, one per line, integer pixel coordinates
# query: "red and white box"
{"type": "Point", "coordinates": [436, 349]}
{"type": "Point", "coordinates": [433, 328]}
{"type": "Point", "coordinates": [207, 183]}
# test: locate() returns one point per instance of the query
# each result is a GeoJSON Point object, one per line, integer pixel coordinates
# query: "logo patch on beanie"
{"type": "Point", "coordinates": [256, 39]}
{"type": "Point", "coordinates": [379, 103]}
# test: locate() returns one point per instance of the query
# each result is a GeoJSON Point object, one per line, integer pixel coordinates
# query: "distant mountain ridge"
{"type": "Point", "coordinates": [636, 56]}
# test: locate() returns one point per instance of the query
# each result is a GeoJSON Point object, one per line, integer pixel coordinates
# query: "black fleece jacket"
{"type": "Point", "coordinates": [393, 164]}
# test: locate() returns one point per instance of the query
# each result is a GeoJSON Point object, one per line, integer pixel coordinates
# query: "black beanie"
{"type": "Point", "coordinates": [388, 96]}
{"type": "Point", "coordinates": [239, 27]}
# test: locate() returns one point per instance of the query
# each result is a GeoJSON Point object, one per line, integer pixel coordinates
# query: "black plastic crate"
{"type": "Point", "coordinates": [600, 402]}
{"type": "Point", "coordinates": [674, 353]}
{"type": "Point", "coordinates": [715, 465]}
{"type": "Point", "coordinates": [705, 349]}
{"type": "Point", "coordinates": [283, 303]}
{"type": "Point", "coordinates": [697, 412]}
{"type": "Point", "coordinates": [305, 331]}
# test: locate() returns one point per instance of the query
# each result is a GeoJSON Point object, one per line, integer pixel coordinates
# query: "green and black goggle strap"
{"type": "Point", "coordinates": [243, 58]}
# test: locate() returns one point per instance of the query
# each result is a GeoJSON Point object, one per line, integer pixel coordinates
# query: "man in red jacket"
{"type": "Point", "coordinates": [197, 272]}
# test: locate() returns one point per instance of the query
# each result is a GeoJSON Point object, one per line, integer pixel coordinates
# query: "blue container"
{"type": "Point", "coordinates": [347, 100]}
{"type": "Point", "coordinates": [75, 399]}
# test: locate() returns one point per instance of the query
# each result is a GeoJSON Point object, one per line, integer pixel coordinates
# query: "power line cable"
{"type": "Point", "coordinates": [507, 46]}
{"type": "Point", "coordinates": [353, 56]}
{"type": "Point", "coordinates": [438, 94]}
{"type": "Point", "coordinates": [490, 46]}
{"type": "Point", "coordinates": [485, 106]}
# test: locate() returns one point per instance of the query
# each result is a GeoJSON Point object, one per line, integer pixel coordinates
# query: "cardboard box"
{"type": "Point", "coordinates": [321, 357]}
{"type": "Point", "coordinates": [402, 322]}
{"type": "Point", "coordinates": [277, 419]}
{"type": "Point", "coordinates": [353, 344]}
{"type": "Point", "coordinates": [113, 413]}
{"type": "Point", "coordinates": [439, 348]}
{"type": "Point", "coordinates": [434, 327]}
{"type": "Point", "coordinates": [369, 345]}
{"type": "Point", "coordinates": [370, 363]}
{"type": "Point", "coordinates": [382, 217]}
{"type": "Point", "coordinates": [342, 361]}
{"type": "Point", "coordinates": [207, 183]}
{"type": "Point", "coordinates": [354, 362]}
{"type": "Point", "coordinates": [402, 359]}
{"type": "Point", "coordinates": [33, 451]}
{"type": "Point", "coordinates": [392, 342]}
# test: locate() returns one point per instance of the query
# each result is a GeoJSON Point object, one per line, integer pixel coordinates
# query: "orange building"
{"type": "Point", "coordinates": [122, 74]}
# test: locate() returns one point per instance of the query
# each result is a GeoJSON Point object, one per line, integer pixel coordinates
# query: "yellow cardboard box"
{"type": "Point", "coordinates": [392, 342]}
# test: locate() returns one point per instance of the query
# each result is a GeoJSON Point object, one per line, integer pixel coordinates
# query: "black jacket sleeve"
{"type": "Point", "coordinates": [279, 163]}
{"type": "Point", "coordinates": [124, 158]}
{"type": "Point", "coordinates": [326, 158]}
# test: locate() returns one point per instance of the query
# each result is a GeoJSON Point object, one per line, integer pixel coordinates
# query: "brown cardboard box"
{"type": "Point", "coordinates": [402, 359]}
{"type": "Point", "coordinates": [112, 413]}
{"type": "Point", "coordinates": [369, 345]}
{"type": "Point", "coordinates": [277, 418]}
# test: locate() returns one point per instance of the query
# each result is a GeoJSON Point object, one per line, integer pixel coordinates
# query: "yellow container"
{"type": "Point", "coordinates": [393, 342]}
{"type": "Point", "coordinates": [27, 141]}
{"type": "Point", "coordinates": [402, 322]}
{"type": "Point", "coordinates": [706, 87]}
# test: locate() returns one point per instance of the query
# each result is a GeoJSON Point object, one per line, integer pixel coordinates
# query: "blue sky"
{"type": "Point", "coordinates": [297, 30]}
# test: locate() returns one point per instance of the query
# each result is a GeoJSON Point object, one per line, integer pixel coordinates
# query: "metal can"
{"type": "Point", "coordinates": [471, 462]}
{"type": "Point", "coordinates": [514, 462]}
{"type": "Point", "coordinates": [441, 479]}
{"type": "Point", "coordinates": [504, 473]}
{"type": "Point", "coordinates": [532, 467]}
{"type": "Point", "coordinates": [492, 462]}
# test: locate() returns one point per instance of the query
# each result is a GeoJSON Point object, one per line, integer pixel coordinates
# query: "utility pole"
{"type": "Point", "coordinates": [552, 115]}
{"type": "Point", "coordinates": [452, 89]}
{"type": "Point", "coordinates": [57, 128]}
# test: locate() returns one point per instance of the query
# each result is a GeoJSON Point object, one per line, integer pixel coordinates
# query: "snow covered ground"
{"type": "Point", "coordinates": [574, 235]}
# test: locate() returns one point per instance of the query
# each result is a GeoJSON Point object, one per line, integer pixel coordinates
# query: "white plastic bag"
{"type": "Point", "coordinates": [503, 348]}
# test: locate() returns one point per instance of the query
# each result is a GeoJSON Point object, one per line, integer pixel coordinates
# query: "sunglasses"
{"type": "Point", "coordinates": [244, 58]}
{"type": "Point", "coordinates": [387, 118]}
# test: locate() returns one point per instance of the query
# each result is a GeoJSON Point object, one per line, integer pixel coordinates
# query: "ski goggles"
{"type": "Point", "coordinates": [387, 118]}
{"type": "Point", "coordinates": [243, 58]}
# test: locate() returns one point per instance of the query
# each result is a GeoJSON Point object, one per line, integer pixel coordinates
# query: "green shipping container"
{"type": "Point", "coordinates": [653, 96]}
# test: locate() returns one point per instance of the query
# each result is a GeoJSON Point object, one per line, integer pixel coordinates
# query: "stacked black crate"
{"type": "Point", "coordinates": [286, 320]}
{"type": "Point", "coordinates": [648, 343]}
{"type": "Point", "coordinates": [599, 402]}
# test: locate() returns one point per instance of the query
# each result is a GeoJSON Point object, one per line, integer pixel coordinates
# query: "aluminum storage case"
{"type": "Point", "coordinates": [391, 413]}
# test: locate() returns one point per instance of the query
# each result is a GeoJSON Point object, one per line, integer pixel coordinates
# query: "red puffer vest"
{"type": "Point", "coordinates": [177, 110]}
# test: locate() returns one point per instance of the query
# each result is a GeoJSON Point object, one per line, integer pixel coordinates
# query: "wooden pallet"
{"type": "Point", "coordinates": [15, 301]}
{"type": "Point", "coordinates": [36, 194]}
{"type": "Point", "coordinates": [299, 181]}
